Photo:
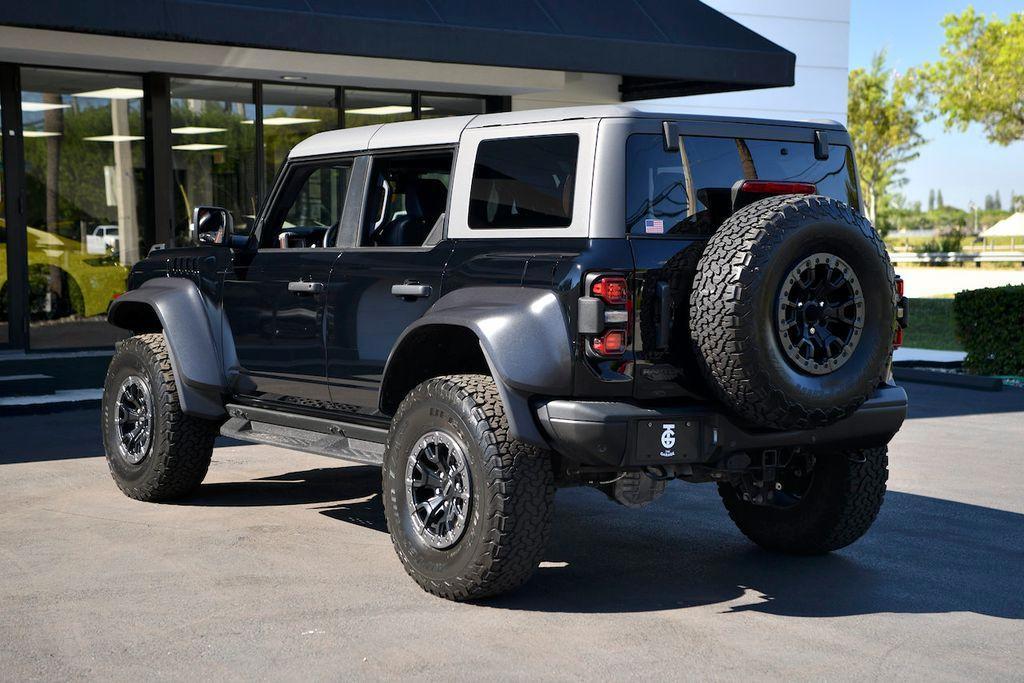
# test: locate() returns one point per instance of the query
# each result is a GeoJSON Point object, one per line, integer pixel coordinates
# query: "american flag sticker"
{"type": "Point", "coordinates": [654, 226]}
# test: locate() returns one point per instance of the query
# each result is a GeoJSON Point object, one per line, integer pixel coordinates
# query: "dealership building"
{"type": "Point", "coordinates": [120, 116]}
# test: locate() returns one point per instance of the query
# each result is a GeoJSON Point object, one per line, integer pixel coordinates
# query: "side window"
{"type": "Point", "coordinates": [407, 199]}
{"type": "Point", "coordinates": [656, 201]}
{"type": "Point", "coordinates": [307, 212]}
{"type": "Point", "coordinates": [524, 182]}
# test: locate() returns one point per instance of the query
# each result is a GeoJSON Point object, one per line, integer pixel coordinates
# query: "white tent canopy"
{"type": "Point", "coordinates": [1013, 226]}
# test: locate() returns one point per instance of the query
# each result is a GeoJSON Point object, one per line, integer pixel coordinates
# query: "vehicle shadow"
{"type": "Point", "coordinates": [923, 555]}
{"type": "Point", "coordinates": [320, 485]}
{"type": "Point", "coordinates": [926, 400]}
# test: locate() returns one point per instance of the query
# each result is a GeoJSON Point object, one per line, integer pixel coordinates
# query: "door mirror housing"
{"type": "Point", "coordinates": [212, 225]}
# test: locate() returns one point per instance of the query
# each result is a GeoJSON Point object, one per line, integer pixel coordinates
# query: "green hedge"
{"type": "Point", "coordinates": [990, 324]}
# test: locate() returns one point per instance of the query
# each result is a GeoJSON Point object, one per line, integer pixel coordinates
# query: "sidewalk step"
{"type": "Point", "coordinates": [70, 370]}
{"type": "Point", "coordinates": [27, 385]}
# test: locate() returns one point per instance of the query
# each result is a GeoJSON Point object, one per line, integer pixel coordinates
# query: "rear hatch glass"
{"type": "Point", "coordinates": [689, 192]}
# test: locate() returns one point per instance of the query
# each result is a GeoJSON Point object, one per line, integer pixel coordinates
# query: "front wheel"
{"type": "Point", "coordinates": [825, 502]}
{"type": "Point", "coordinates": [468, 509]}
{"type": "Point", "coordinates": [154, 450]}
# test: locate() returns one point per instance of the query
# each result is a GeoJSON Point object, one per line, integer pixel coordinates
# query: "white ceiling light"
{"type": "Point", "coordinates": [40, 134]}
{"type": "Point", "coordinates": [112, 94]}
{"type": "Point", "coordinates": [388, 110]}
{"type": "Point", "coordinates": [43, 106]}
{"type": "Point", "coordinates": [114, 138]}
{"type": "Point", "coordinates": [197, 147]}
{"type": "Point", "coordinates": [293, 78]}
{"type": "Point", "coordinates": [196, 130]}
{"type": "Point", "coordinates": [282, 121]}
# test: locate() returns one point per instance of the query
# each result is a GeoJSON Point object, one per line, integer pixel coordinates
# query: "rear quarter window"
{"type": "Point", "coordinates": [689, 192]}
{"type": "Point", "coordinates": [525, 182]}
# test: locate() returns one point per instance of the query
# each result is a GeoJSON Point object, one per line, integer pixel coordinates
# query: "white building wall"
{"type": "Point", "coordinates": [817, 33]}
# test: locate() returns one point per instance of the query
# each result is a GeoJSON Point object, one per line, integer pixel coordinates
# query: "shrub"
{"type": "Point", "coordinates": [990, 324]}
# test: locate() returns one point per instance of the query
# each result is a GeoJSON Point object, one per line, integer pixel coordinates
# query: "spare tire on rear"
{"type": "Point", "coordinates": [792, 312]}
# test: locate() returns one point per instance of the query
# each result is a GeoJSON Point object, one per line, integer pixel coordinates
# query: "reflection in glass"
{"type": "Point", "coordinates": [438, 106]}
{"type": "Point", "coordinates": [213, 143]}
{"type": "Point", "coordinates": [84, 170]}
{"type": "Point", "coordinates": [368, 107]}
{"type": "Point", "coordinates": [4, 289]}
{"type": "Point", "coordinates": [291, 113]}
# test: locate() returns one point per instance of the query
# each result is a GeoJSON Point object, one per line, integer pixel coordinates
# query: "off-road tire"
{"type": "Point", "coordinates": [732, 311]}
{"type": "Point", "coordinates": [846, 492]}
{"type": "Point", "coordinates": [512, 497]}
{"type": "Point", "coordinates": [182, 445]}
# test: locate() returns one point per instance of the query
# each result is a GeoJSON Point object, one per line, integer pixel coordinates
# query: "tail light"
{"type": "Point", "coordinates": [605, 314]}
{"type": "Point", "coordinates": [612, 289]}
{"type": "Point", "coordinates": [902, 313]}
{"type": "Point", "coordinates": [611, 343]}
{"type": "Point", "coordinates": [777, 187]}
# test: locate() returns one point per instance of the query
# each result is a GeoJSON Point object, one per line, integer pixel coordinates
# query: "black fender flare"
{"type": "Point", "coordinates": [524, 337]}
{"type": "Point", "coordinates": [195, 338]}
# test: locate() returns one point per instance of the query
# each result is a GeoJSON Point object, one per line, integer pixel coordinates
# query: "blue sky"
{"type": "Point", "coordinates": [964, 165]}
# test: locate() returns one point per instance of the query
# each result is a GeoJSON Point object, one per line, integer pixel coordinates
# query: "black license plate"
{"type": "Point", "coordinates": [667, 440]}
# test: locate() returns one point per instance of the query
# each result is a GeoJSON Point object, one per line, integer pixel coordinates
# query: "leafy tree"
{"type": "Point", "coordinates": [989, 203]}
{"type": "Point", "coordinates": [997, 202]}
{"type": "Point", "coordinates": [931, 199]}
{"type": "Point", "coordinates": [980, 75]}
{"type": "Point", "coordinates": [883, 118]}
{"type": "Point", "coordinates": [939, 204]}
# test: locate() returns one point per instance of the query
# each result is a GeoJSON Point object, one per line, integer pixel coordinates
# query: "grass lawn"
{"type": "Point", "coordinates": [931, 325]}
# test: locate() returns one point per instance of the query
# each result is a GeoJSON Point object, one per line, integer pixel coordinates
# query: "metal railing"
{"type": "Point", "coordinates": [939, 257]}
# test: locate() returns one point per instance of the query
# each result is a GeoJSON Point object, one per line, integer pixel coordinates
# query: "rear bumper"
{"type": "Point", "coordinates": [617, 434]}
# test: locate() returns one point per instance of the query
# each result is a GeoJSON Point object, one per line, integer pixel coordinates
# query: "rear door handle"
{"type": "Point", "coordinates": [306, 287]}
{"type": "Point", "coordinates": [411, 291]}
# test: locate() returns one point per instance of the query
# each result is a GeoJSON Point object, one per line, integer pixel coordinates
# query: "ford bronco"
{"type": "Point", "coordinates": [490, 307]}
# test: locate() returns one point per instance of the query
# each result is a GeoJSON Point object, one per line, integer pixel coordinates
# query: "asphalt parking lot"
{"type": "Point", "coordinates": [282, 567]}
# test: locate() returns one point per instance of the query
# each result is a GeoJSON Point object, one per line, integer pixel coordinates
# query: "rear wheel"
{"type": "Point", "coordinates": [824, 502]}
{"type": "Point", "coordinates": [155, 451]}
{"type": "Point", "coordinates": [469, 510]}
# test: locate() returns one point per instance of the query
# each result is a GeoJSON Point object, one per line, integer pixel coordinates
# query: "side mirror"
{"type": "Point", "coordinates": [212, 225]}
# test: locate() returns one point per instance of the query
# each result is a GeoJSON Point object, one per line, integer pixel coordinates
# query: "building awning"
{"type": "Point", "coordinates": [661, 48]}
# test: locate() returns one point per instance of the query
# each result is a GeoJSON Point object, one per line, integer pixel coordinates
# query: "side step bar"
{"type": "Point", "coordinates": [358, 443]}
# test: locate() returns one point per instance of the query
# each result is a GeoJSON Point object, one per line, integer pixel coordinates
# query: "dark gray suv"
{"type": "Point", "coordinates": [490, 307]}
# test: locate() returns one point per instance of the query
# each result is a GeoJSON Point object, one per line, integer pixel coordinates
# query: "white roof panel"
{"type": "Point", "coordinates": [448, 130]}
{"type": "Point", "coordinates": [335, 142]}
{"type": "Point", "coordinates": [443, 131]}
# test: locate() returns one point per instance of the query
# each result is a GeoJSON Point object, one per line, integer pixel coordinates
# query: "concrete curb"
{"type": "Point", "coordinates": [74, 399]}
{"type": "Point", "coordinates": [948, 379]}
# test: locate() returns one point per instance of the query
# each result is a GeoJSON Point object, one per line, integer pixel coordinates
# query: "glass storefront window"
{"type": "Point", "coordinates": [84, 175]}
{"type": "Point", "coordinates": [291, 113]}
{"type": "Point", "coordinates": [438, 106]}
{"type": "Point", "coordinates": [213, 145]}
{"type": "Point", "coordinates": [4, 289]}
{"type": "Point", "coordinates": [367, 107]}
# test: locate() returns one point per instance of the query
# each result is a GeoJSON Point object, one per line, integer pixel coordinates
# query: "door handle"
{"type": "Point", "coordinates": [306, 287]}
{"type": "Point", "coordinates": [410, 291]}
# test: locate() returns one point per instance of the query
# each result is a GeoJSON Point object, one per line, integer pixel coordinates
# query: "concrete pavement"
{"type": "Point", "coordinates": [282, 567]}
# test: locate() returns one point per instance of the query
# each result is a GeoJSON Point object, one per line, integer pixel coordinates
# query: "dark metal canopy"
{"type": "Point", "coordinates": [661, 48]}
